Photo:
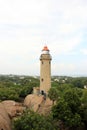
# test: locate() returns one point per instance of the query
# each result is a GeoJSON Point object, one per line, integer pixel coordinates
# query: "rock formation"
{"type": "Point", "coordinates": [8, 110]}
{"type": "Point", "coordinates": [5, 122]}
{"type": "Point", "coordinates": [38, 103]}
{"type": "Point", "coordinates": [13, 108]}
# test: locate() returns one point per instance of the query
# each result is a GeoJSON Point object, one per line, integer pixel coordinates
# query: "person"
{"type": "Point", "coordinates": [44, 96]}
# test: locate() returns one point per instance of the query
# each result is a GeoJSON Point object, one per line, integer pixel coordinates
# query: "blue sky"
{"type": "Point", "coordinates": [27, 25]}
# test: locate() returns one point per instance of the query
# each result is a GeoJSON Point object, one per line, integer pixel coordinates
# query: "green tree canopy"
{"type": "Point", "coordinates": [68, 109]}
{"type": "Point", "coordinates": [62, 111]}
{"type": "Point", "coordinates": [32, 121]}
{"type": "Point", "coordinates": [53, 94]}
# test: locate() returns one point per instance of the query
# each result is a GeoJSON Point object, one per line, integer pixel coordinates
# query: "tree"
{"type": "Point", "coordinates": [53, 94]}
{"type": "Point", "coordinates": [25, 91]}
{"type": "Point", "coordinates": [32, 121]}
{"type": "Point", "coordinates": [84, 97]}
{"type": "Point", "coordinates": [67, 109]}
{"type": "Point", "coordinates": [72, 98]}
{"type": "Point", "coordinates": [77, 82]}
{"type": "Point", "coordinates": [61, 111]}
{"type": "Point", "coordinates": [84, 107]}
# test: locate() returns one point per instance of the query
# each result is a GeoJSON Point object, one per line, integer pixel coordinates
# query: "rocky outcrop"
{"type": "Point", "coordinates": [32, 101]}
{"type": "Point", "coordinates": [45, 107]}
{"type": "Point", "coordinates": [8, 110]}
{"type": "Point", "coordinates": [13, 108]}
{"type": "Point", "coordinates": [38, 103]}
{"type": "Point", "coordinates": [5, 122]}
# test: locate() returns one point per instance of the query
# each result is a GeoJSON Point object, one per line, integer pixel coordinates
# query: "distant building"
{"type": "Point", "coordinates": [63, 81]}
{"type": "Point", "coordinates": [85, 86]}
{"type": "Point", "coordinates": [45, 70]}
{"type": "Point", "coordinates": [57, 80]}
{"type": "Point", "coordinates": [22, 77]}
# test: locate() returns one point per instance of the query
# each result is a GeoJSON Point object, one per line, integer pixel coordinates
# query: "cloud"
{"type": "Point", "coordinates": [23, 11]}
{"type": "Point", "coordinates": [83, 51]}
{"type": "Point", "coordinates": [66, 46]}
{"type": "Point", "coordinates": [70, 69]}
{"type": "Point", "coordinates": [26, 26]}
{"type": "Point", "coordinates": [63, 68]}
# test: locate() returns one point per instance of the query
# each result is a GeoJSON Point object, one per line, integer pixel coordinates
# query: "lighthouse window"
{"type": "Point", "coordinates": [49, 62]}
{"type": "Point", "coordinates": [42, 79]}
{"type": "Point", "coordinates": [42, 62]}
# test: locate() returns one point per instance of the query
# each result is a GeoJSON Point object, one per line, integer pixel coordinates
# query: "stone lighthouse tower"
{"type": "Point", "coordinates": [45, 70]}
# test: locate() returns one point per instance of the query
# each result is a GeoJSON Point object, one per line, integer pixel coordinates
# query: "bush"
{"type": "Point", "coordinates": [32, 121]}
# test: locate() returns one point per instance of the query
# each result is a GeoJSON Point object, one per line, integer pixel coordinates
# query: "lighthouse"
{"type": "Point", "coordinates": [45, 70]}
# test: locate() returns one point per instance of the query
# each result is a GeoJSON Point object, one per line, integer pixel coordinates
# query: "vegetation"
{"type": "Point", "coordinates": [16, 87]}
{"type": "Point", "coordinates": [32, 121]}
{"type": "Point", "coordinates": [69, 111]}
{"type": "Point", "coordinates": [53, 94]}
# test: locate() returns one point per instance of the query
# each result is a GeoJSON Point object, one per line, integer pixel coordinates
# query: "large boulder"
{"type": "Point", "coordinates": [33, 101]}
{"type": "Point", "coordinates": [38, 103]}
{"type": "Point", "coordinates": [45, 107]}
{"type": "Point", "coordinates": [13, 108]}
{"type": "Point", "coordinates": [8, 110]}
{"type": "Point", "coordinates": [5, 122]}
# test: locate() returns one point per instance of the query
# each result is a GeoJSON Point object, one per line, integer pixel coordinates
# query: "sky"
{"type": "Point", "coordinates": [26, 26]}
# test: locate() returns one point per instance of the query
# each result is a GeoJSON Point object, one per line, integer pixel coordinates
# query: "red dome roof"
{"type": "Point", "coordinates": [45, 48]}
